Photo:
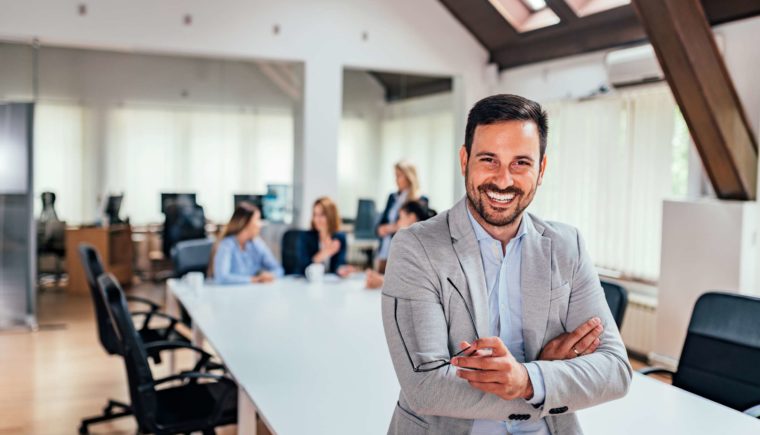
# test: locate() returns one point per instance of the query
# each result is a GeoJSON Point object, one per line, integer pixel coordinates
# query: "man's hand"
{"type": "Point", "coordinates": [583, 341]}
{"type": "Point", "coordinates": [374, 280]}
{"type": "Point", "coordinates": [498, 373]}
{"type": "Point", "coordinates": [386, 229]}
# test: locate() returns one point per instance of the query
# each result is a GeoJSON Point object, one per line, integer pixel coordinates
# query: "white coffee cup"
{"type": "Point", "coordinates": [194, 281]}
{"type": "Point", "coordinates": [315, 272]}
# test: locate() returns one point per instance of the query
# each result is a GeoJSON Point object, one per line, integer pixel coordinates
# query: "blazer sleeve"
{"type": "Point", "coordinates": [384, 217]}
{"type": "Point", "coordinates": [339, 259]}
{"type": "Point", "coordinates": [598, 377]}
{"type": "Point", "coordinates": [410, 280]}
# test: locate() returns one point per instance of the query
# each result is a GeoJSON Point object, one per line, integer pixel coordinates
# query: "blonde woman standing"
{"type": "Point", "coordinates": [408, 190]}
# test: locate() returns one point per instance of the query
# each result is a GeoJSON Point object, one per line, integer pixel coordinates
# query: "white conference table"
{"type": "Point", "coordinates": [312, 358]}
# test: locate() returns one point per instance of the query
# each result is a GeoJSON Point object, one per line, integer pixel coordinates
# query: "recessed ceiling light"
{"type": "Point", "coordinates": [535, 5]}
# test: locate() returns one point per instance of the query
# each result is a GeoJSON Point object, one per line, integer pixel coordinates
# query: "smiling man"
{"type": "Point", "coordinates": [495, 319]}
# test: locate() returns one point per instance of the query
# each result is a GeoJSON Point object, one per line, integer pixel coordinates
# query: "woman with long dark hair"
{"type": "Point", "coordinates": [241, 257]}
{"type": "Point", "coordinates": [324, 244]}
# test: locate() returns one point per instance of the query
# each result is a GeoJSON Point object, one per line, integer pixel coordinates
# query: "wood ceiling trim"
{"type": "Point", "coordinates": [697, 75]}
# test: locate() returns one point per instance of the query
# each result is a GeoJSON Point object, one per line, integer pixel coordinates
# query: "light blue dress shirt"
{"type": "Point", "coordinates": [502, 271]}
{"type": "Point", "coordinates": [233, 265]}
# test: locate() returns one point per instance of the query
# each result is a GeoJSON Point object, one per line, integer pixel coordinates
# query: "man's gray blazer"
{"type": "Point", "coordinates": [560, 291]}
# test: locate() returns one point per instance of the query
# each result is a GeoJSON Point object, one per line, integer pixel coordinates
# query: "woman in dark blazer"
{"type": "Point", "coordinates": [408, 190]}
{"type": "Point", "coordinates": [323, 243]}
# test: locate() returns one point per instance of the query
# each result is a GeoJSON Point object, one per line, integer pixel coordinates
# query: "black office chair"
{"type": "Point", "coordinates": [93, 268]}
{"type": "Point", "coordinates": [293, 242]}
{"type": "Point", "coordinates": [721, 354]}
{"type": "Point", "coordinates": [617, 299]}
{"type": "Point", "coordinates": [51, 233]}
{"type": "Point", "coordinates": [186, 406]}
{"type": "Point", "coordinates": [192, 256]}
{"type": "Point", "coordinates": [183, 220]}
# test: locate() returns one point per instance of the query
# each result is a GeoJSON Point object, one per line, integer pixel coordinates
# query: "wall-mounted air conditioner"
{"type": "Point", "coordinates": [637, 65]}
{"type": "Point", "coordinates": [632, 66]}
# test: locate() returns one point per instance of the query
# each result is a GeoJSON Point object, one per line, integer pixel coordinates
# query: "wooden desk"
{"type": "Point", "coordinates": [114, 244]}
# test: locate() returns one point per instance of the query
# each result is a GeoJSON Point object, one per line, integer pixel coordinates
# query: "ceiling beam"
{"type": "Point", "coordinates": [587, 35]}
{"type": "Point", "coordinates": [685, 46]}
{"type": "Point", "coordinates": [562, 9]}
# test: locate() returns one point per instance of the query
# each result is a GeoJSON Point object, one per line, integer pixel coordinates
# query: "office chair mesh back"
{"type": "Point", "coordinates": [93, 268]}
{"type": "Point", "coordinates": [142, 390]}
{"type": "Point", "coordinates": [192, 256]}
{"type": "Point", "coordinates": [617, 299]}
{"type": "Point", "coordinates": [292, 246]}
{"type": "Point", "coordinates": [721, 355]}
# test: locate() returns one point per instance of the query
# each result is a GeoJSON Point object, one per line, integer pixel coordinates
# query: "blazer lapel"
{"type": "Point", "coordinates": [535, 281]}
{"type": "Point", "coordinates": [468, 252]}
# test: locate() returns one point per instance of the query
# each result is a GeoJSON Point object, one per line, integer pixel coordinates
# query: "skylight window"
{"type": "Point", "coordinates": [526, 15]}
{"type": "Point", "coordinates": [584, 8]}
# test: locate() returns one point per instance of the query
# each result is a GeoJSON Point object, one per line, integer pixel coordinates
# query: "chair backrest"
{"type": "Point", "coordinates": [721, 354]}
{"type": "Point", "coordinates": [142, 389]}
{"type": "Point", "coordinates": [366, 219]}
{"type": "Point", "coordinates": [292, 250]}
{"type": "Point", "coordinates": [617, 299]}
{"type": "Point", "coordinates": [93, 269]}
{"type": "Point", "coordinates": [182, 221]}
{"type": "Point", "coordinates": [192, 256]}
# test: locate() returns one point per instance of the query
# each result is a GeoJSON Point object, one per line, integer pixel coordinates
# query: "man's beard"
{"type": "Point", "coordinates": [478, 197]}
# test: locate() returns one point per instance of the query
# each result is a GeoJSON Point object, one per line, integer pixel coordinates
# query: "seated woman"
{"type": "Point", "coordinates": [324, 243]}
{"type": "Point", "coordinates": [409, 213]}
{"type": "Point", "coordinates": [241, 257]}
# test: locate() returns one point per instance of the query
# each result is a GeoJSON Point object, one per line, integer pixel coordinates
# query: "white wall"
{"type": "Point", "coordinates": [405, 36]}
{"type": "Point", "coordinates": [707, 245]}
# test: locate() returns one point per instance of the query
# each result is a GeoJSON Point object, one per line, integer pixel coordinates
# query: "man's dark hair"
{"type": "Point", "coordinates": [506, 107]}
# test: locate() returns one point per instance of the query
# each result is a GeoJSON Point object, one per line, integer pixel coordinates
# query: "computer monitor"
{"type": "Point", "coordinates": [366, 217]}
{"type": "Point", "coordinates": [169, 198]}
{"type": "Point", "coordinates": [257, 200]}
{"type": "Point", "coordinates": [113, 205]}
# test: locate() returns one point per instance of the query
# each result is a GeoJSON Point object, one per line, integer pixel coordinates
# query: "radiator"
{"type": "Point", "coordinates": [639, 324]}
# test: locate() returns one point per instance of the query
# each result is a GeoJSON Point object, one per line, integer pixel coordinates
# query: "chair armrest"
{"type": "Point", "coordinates": [193, 375]}
{"type": "Point", "coordinates": [754, 411]}
{"type": "Point", "coordinates": [655, 371]}
{"type": "Point", "coordinates": [203, 361]}
{"type": "Point", "coordinates": [153, 306]}
{"type": "Point", "coordinates": [149, 315]}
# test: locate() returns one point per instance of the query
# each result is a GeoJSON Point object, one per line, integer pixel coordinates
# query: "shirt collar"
{"type": "Point", "coordinates": [482, 234]}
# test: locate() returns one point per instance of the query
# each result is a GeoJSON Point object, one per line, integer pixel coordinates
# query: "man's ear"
{"type": "Point", "coordinates": [542, 168]}
{"type": "Point", "coordinates": [463, 157]}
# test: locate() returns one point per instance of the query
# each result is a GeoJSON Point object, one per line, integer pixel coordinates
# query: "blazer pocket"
{"type": "Point", "coordinates": [421, 425]}
{"type": "Point", "coordinates": [561, 292]}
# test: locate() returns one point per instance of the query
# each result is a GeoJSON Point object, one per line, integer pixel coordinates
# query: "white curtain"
{"type": "Point", "coordinates": [427, 141]}
{"type": "Point", "coordinates": [60, 162]}
{"type": "Point", "coordinates": [357, 163]}
{"type": "Point", "coordinates": [611, 163]}
{"type": "Point", "coordinates": [213, 152]}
